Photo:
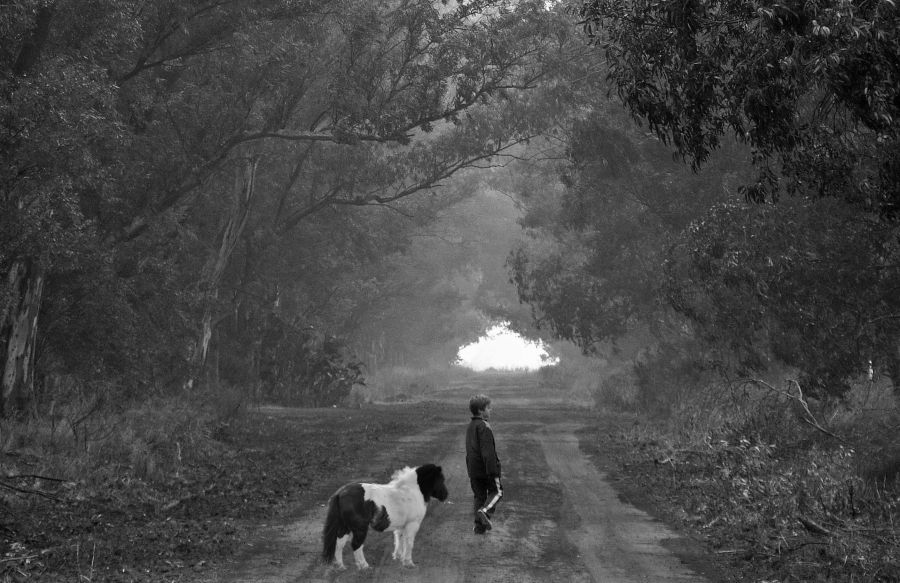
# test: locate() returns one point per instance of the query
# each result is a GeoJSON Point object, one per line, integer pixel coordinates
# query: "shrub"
{"type": "Point", "coordinates": [560, 377]}
{"type": "Point", "coordinates": [302, 367]}
{"type": "Point", "coordinates": [666, 376]}
{"type": "Point", "coordinates": [401, 383]}
{"type": "Point", "coordinates": [758, 478]}
{"type": "Point", "coordinates": [618, 391]}
{"type": "Point", "coordinates": [153, 440]}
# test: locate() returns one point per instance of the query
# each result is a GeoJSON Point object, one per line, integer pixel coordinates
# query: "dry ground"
{"type": "Point", "coordinates": [253, 513]}
{"type": "Point", "coordinates": [560, 520]}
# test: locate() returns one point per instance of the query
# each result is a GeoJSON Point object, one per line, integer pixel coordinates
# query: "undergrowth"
{"type": "Point", "coordinates": [163, 489]}
{"type": "Point", "coordinates": [794, 490]}
{"type": "Point", "coordinates": [403, 383]}
{"type": "Point", "coordinates": [77, 479]}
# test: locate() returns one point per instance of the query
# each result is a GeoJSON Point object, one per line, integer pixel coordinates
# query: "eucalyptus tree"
{"type": "Point", "coordinates": [447, 286]}
{"type": "Point", "coordinates": [812, 89]}
{"type": "Point", "coordinates": [61, 132]}
{"type": "Point", "coordinates": [402, 105]}
{"type": "Point", "coordinates": [160, 149]}
{"type": "Point", "coordinates": [592, 264]}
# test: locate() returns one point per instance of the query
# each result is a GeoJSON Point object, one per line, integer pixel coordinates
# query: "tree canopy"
{"type": "Point", "coordinates": [797, 268]}
{"type": "Point", "coordinates": [236, 191]}
{"type": "Point", "coordinates": [182, 177]}
{"type": "Point", "coordinates": [811, 87]}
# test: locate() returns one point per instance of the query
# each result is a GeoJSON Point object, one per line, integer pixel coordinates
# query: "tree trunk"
{"type": "Point", "coordinates": [893, 369]}
{"type": "Point", "coordinates": [18, 333]}
{"type": "Point", "coordinates": [34, 42]}
{"type": "Point", "coordinates": [22, 302]}
{"type": "Point", "coordinates": [211, 278]}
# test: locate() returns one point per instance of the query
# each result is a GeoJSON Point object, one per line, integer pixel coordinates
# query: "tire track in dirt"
{"type": "Point", "coordinates": [288, 552]}
{"type": "Point", "coordinates": [617, 542]}
{"type": "Point", "coordinates": [446, 549]}
{"type": "Point", "coordinates": [435, 559]}
{"type": "Point", "coordinates": [526, 545]}
{"type": "Point", "coordinates": [560, 521]}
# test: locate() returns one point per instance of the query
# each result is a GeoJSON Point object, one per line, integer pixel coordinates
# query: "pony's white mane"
{"type": "Point", "coordinates": [406, 475]}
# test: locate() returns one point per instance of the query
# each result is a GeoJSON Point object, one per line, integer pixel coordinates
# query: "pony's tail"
{"type": "Point", "coordinates": [330, 531]}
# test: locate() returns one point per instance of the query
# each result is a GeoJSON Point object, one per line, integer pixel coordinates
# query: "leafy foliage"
{"type": "Point", "coordinates": [808, 283]}
{"type": "Point", "coordinates": [775, 508]}
{"type": "Point", "coordinates": [811, 89]}
{"type": "Point", "coordinates": [620, 203]}
{"type": "Point", "coordinates": [200, 165]}
{"type": "Point", "coordinates": [307, 369]}
{"type": "Point", "coordinates": [811, 85]}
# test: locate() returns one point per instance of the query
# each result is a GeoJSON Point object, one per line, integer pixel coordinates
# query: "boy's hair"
{"type": "Point", "coordinates": [479, 403]}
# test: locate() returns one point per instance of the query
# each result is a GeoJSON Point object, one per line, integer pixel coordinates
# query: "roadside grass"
{"type": "Point", "coordinates": [166, 488]}
{"type": "Point", "coordinates": [786, 489]}
{"type": "Point", "coordinates": [607, 382]}
{"type": "Point", "coordinates": [403, 383]}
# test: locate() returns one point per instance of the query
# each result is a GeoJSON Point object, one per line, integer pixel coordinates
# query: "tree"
{"type": "Point", "coordinates": [184, 145]}
{"type": "Point", "coordinates": [594, 266]}
{"type": "Point", "coordinates": [807, 283]}
{"type": "Point", "coordinates": [812, 89]}
{"type": "Point", "coordinates": [396, 128]}
{"type": "Point", "coordinates": [59, 120]}
{"type": "Point", "coordinates": [447, 286]}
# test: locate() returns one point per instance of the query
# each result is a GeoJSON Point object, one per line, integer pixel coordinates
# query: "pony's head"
{"type": "Point", "coordinates": [431, 482]}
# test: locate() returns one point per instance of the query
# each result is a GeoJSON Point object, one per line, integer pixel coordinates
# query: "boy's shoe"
{"type": "Point", "coordinates": [483, 519]}
{"type": "Point", "coordinates": [479, 529]}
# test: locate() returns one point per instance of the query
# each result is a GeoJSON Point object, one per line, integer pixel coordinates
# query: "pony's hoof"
{"type": "Point", "coordinates": [409, 565]}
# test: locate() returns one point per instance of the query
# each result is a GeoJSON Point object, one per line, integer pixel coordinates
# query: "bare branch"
{"type": "Point", "coordinates": [336, 137]}
{"type": "Point", "coordinates": [40, 493]}
{"type": "Point", "coordinates": [813, 526]}
{"type": "Point", "coordinates": [809, 418]}
{"type": "Point", "coordinates": [36, 477]}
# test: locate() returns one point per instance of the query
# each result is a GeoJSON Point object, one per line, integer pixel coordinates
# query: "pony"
{"type": "Point", "coordinates": [398, 506]}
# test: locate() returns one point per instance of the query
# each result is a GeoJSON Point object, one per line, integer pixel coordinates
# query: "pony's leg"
{"type": "Point", "coordinates": [360, 559]}
{"type": "Point", "coordinates": [409, 538]}
{"type": "Point", "coordinates": [359, 537]}
{"type": "Point", "coordinates": [339, 551]}
{"type": "Point", "coordinates": [397, 542]}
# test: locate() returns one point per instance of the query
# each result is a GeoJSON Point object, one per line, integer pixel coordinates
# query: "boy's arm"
{"type": "Point", "coordinates": [489, 452]}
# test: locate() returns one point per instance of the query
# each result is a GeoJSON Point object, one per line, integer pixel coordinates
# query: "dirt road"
{"type": "Point", "coordinates": [560, 519]}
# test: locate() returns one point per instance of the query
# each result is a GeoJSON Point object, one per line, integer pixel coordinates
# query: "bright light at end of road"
{"type": "Point", "coordinates": [502, 349]}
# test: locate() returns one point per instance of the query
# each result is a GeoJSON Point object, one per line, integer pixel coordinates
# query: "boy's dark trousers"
{"type": "Point", "coordinates": [485, 490]}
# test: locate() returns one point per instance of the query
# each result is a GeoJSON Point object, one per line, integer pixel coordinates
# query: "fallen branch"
{"type": "Point", "coordinates": [35, 476]}
{"type": "Point", "coordinates": [713, 522]}
{"type": "Point", "coordinates": [805, 543]}
{"type": "Point", "coordinates": [809, 418]}
{"type": "Point", "coordinates": [813, 526]}
{"type": "Point", "coordinates": [14, 559]}
{"type": "Point", "coordinates": [175, 503]}
{"type": "Point", "coordinates": [41, 493]}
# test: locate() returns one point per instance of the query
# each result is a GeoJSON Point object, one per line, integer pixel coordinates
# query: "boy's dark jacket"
{"type": "Point", "coordinates": [481, 454]}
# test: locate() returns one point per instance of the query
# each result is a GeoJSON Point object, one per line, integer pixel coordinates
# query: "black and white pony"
{"type": "Point", "coordinates": [397, 506]}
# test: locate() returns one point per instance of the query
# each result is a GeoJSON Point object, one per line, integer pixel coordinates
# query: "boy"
{"type": "Point", "coordinates": [482, 463]}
